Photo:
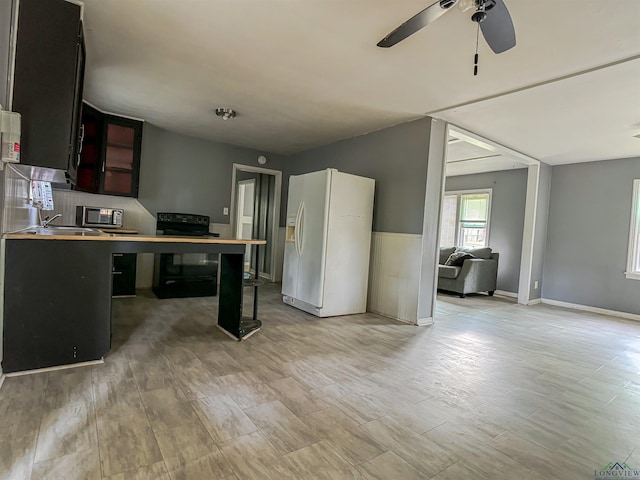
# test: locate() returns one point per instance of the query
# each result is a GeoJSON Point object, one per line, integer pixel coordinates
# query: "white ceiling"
{"type": "Point", "coordinates": [306, 73]}
{"type": "Point", "coordinates": [469, 154]}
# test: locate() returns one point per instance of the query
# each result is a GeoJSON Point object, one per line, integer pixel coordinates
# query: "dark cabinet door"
{"type": "Point", "coordinates": [48, 78]}
{"type": "Point", "coordinates": [90, 151]}
{"type": "Point", "coordinates": [49, 321]}
{"type": "Point", "coordinates": [124, 274]}
{"type": "Point", "coordinates": [109, 160]}
{"type": "Point", "coordinates": [121, 156]}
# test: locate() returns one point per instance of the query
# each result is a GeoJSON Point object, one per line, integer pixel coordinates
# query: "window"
{"type": "Point", "coordinates": [633, 259]}
{"type": "Point", "coordinates": [465, 219]}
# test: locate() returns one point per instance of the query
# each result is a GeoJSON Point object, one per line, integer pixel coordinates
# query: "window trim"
{"type": "Point", "coordinates": [475, 191]}
{"type": "Point", "coordinates": [634, 234]}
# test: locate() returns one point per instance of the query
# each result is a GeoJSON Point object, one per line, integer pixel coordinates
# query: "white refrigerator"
{"type": "Point", "coordinates": [327, 243]}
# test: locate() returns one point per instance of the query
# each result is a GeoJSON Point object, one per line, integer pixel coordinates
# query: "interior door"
{"type": "Point", "coordinates": [311, 236]}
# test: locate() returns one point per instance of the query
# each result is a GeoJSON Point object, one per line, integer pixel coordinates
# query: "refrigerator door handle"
{"type": "Point", "coordinates": [300, 228]}
{"type": "Point", "coordinates": [296, 235]}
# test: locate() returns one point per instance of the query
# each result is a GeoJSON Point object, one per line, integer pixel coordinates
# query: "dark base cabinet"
{"type": "Point", "coordinates": [124, 274]}
{"type": "Point", "coordinates": [50, 319]}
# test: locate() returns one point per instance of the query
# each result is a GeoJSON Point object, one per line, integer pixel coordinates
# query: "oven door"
{"type": "Point", "coordinates": [190, 264]}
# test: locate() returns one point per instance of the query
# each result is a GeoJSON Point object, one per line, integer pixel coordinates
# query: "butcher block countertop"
{"type": "Point", "coordinates": [114, 237]}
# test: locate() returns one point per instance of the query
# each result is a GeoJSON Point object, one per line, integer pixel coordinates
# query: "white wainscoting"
{"type": "Point", "coordinates": [224, 229]}
{"type": "Point", "coordinates": [394, 275]}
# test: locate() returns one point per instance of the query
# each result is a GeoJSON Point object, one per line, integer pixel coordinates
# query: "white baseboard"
{"type": "Point", "coordinates": [385, 315]}
{"type": "Point", "coordinates": [53, 369]}
{"type": "Point", "coordinates": [534, 301]}
{"type": "Point", "coordinates": [504, 293]}
{"type": "Point", "coordinates": [588, 308]}
{"type": "Point", "coordinates": [422, 322]}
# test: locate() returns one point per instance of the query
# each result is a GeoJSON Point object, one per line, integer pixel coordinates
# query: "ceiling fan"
{"type": "Point", "coordinates": [492, 18]}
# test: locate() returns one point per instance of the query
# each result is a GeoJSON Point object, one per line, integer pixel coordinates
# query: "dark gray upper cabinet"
{"type": "Point", "coordinates": [49, 73]}
{"type": "Point", "coordinates": [109, 157]}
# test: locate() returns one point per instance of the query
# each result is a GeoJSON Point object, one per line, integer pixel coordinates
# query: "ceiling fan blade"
{"type": "Point", "coordinates": [498, 29]}
{"type": "Point", "coordinates": [417, 22]}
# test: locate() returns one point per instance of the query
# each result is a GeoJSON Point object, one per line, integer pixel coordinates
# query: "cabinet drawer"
{"type": "Point", "coordinates": [124, 261]}
{"type": "Point", "coordinates": [123, 273]}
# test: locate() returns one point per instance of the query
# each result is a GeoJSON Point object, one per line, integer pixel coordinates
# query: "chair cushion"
{"type": "Point", "coordinates": [484, 252]}
{"type": "Point", "coordinates": [446, 271]}
{"type": "Point", "coordinates": [456, 259]}
{"type": "Point", "coordinates": [445, 252]}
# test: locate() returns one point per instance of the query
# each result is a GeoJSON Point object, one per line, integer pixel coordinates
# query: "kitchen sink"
{"type": "Point", "coordinates": [56, 230]}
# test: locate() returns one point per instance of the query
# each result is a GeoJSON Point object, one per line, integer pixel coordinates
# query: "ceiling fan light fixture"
{"type": "Point", "coordinates": [226, 113]}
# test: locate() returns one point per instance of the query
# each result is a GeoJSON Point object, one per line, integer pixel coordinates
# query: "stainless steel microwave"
{"type": "Point", "coordinates": [99, 217]}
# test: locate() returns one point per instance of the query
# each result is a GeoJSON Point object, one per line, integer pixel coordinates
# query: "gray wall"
{"type": "Point", "coordinates": [395, 157]}
{"type": "Point", "coordinates": [507, 217]}
{"type": "Point", "coordinates": [186, 174]}
{"type": "Point", "coordinates": [588, 235]}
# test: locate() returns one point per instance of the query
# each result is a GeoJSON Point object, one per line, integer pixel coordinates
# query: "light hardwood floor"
{"type": "Point", "coordinates": [492, 391]}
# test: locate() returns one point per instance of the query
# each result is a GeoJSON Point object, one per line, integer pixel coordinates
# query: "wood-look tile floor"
{"type": "Point", "coordinates": [493, 391]}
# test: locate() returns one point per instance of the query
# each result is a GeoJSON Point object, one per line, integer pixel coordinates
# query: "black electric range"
{"type": "Point", "coordinates": [179, 275]}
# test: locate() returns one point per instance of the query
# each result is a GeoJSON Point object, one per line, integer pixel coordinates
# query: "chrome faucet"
{"type": "Point", "coordinates": [45, 223]}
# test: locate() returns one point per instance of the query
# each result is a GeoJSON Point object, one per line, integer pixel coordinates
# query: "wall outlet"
{"type": "Point", "coordinates": [225, 211]}
{"type": "Point", "coordinates": [535, 284]}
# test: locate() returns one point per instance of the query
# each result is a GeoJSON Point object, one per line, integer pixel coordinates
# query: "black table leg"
{"type": "Point", "coordinates": [230, 301]}
{"type": "Point", "coordinates": [251, 326]}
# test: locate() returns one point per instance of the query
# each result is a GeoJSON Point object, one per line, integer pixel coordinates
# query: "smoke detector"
{"type": "Point", "coordinates": [225, 113]}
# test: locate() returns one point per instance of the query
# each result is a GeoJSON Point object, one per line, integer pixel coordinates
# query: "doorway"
{"type": "Point", "coordinates": [245, 215]}
{"type": "Point", "coordinates": [255, 212]}
{"type": "Point", "coordinates": [484, 204]}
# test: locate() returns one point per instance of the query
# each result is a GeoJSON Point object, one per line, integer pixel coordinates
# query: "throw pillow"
{"type": "Point", "coordinates": [482, 252]}
{"type": "Point", "coordinates": [457, 259]}
{"type": "Point", "coordinates": [445, 253]}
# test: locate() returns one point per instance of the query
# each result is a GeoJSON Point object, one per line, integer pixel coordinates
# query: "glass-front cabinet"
{"type": "Point", "coordinates": [121, 165]}
{"type": "Point", "coordinates": [110, 156]}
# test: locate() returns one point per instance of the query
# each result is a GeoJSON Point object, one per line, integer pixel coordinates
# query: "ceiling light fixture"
{"type": "Point", "coordinates": [225, 113]}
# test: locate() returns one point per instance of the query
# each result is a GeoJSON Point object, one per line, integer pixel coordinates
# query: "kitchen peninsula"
{"type": "Point", "coordinates": [57, 308]}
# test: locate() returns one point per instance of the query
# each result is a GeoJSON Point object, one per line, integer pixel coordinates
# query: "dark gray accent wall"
{"type": "Point", "coordinates": [395, 157]}
{"type": "Point", "coordinates": [186, 174]}
{"type": "Point", "coordinates": [508, 201]}
{"type": "Point", "coordinates": [588, 235]}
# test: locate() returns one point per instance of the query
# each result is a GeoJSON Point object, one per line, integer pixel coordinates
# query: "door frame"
{"type": "Point", "coordinates": [275, 208]}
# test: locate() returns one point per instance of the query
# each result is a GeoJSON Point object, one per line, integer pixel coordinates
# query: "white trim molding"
{"type": "Point", "coordinates": [588, 308]}
{"type": "Point", "coordinates": [526, 259]}
{"type": "Point", "coordinates": [423, 322]}
{"type": "Point", "coordinates": [504, 293]}
{"type": "Point", "coordinates": [634, 235]}
{"type": "Point", "coordinates": [53, 369]}
{"type": "Point", "coordinates": [275, 227]}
